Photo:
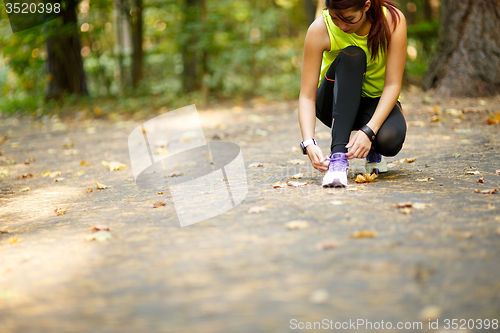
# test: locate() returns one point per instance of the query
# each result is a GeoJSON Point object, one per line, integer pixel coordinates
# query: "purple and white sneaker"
{"type": "Point", "coordinates": [375, 162]}
{"type": "Point", "coordinates": [337, 171]}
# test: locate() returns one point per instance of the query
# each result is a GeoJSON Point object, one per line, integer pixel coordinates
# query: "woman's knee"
{"type": "Point", "coordinates": [354, 54]}
{"type": "Point", "coordinates": [390, 142]}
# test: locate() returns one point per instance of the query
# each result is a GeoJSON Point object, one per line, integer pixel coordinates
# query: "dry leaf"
{"type": "Point", "coordinates": [100, 227]}
{"type": "Point", "coordinates": [490, 191]}
{"type": "Point", "coordinates": [3, 232]}
{"type": "Point", "coordinates": [366, 178]}
{"type": "Point", "coordinates": [424, 179]}
{"type": "Point", "coordinates": [497, 172]}
{"type": "Point", "coordinates": [405, 210]}
{"type": "Point", "coordinates": [24, 189]}
{"type": "Point", "coordinates": [158, 204]}
{"type": "Point", "coordinates": [278, 185]}
{"type": "Point", "coordinates": [60, 211]}
{"type": "Point", "coordinates": [297, 224]}
{"type": "Point", "coordinates": [430, 312]}
{"type": "Point", "coordinates": [25, 175]}
{"type": "Point", "coordinates": [80, 173]}
{"type": "Point", "coordinates": [4, 173]}
{"type": "Point", "coordinates": [100, 186]}
{"type": "Point", "coordinates": [295, 184]}
{"type": "Point", "coordinates": [364, 234]}
{"type": "Point", "coordinates": [60, 179]}
{"type": "Point", "coordinates": [296, 161]}
{"type": "Point", "coordinates": [13, 240]}
{"type": "Point", "coordinates": [420, 205]}
{"type": "Point", "coordinates": [297, 176]}
{"type": "Point", "coordinates": [319, 296]}
{"type": "Point", "coordinates": [160, 193]}
{"type": "Point", "coordinates": [407, 160]}
{"type": "Point", "coordinates": [480, 180]}
{"type": "Point", "coordinates": [326, 244]}
{"type": "Point", "coordinates": [29, 160]}
{"type": "Point", "coordinates": [256, 165]}
{"type": "Point", "coordinates": [100, 236]}
{"type": "Point", "coordinates": [51, 174]}
{"type": "Point", "coordinates": [113, 165]}
{"type": "Point", "coordinates": [84, 163]}
{"type": "Point", "coordinates": [176, 174]}
{"type": "Point", "coordinates": [256, 209]}
{"type": "Point", "coordinates": [3, 139]}
{"type": "Point", "coordinates": [89, 190]}
{"type": "Point", "coordinates": [472, 172]}
{"type": "Point", "coordinates": [68, 143]}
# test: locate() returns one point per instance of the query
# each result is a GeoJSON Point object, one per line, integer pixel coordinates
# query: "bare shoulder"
{"type": "Point", "coordinates": [317, 35]}
{"type": "Point", "coordinates": [401, 22]}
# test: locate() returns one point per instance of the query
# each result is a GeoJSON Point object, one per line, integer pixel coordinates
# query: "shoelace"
{"type": "Point", "coordinates": [338, 164]}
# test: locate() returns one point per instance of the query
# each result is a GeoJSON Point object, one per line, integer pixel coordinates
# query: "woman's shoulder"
{"type": "Point", "coordinates": [317, 33]}
{"type": "Point", "coordinates": [400, 19]}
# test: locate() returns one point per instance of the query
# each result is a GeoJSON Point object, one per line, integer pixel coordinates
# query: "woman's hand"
{"type": "Point", "coordinates": [318, 161]}
{"type": "Point", "coordinates": [360, 145]}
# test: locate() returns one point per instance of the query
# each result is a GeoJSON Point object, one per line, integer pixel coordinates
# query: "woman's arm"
{"type": "Point", "coordinates": [396, 59]}
{"type": "Point", "coordinates": [316, 41]}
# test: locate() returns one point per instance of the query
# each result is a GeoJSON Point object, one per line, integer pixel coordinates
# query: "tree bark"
{"type": "Point", "coordinates": [64, 62]}
{"type": "Point", "coordinates": [192, 56]}
{"type": "Point", "coordinates": [468, 55]}
{"type": "Point", "coordinates": [137, 57]}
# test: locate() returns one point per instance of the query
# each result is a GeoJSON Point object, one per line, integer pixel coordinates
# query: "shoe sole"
{"type": "Point", "coordinates": [334, 183]}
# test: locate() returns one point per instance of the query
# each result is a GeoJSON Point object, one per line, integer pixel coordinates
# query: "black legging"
{"type": "Point", "coordinates": [339, 98]}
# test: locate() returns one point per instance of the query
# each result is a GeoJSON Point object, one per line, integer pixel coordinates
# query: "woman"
{"type": "Point", "coordinates": [358, 50]}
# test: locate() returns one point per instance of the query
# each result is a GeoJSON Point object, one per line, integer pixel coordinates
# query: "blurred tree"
{"type": "Point", "coordinates": [468, 58]}
{"type": "Point", "coordinates": [64, 62]}
{"type": "Point", "coordinates": [137, 38]}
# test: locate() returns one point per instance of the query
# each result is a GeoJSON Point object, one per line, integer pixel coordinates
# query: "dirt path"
{"type": "Point", "coordinates": [247, 272]}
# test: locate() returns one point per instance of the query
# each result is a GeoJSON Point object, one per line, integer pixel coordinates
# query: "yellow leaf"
{"type": "Point", "coordinates": [13, 240]}
{"type": "Point", "coordinates": [113, 165]}
{"type": "Point", "coordinates": [295, 184]}
{"type": "Point", "coordinates": [297, 224]}
{"type": "Point", "coordinates": [364, 234]}
{"type": "Point", "coordinates": [100, 186]}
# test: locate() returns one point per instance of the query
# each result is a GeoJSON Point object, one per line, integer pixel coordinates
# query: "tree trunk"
{"type": "Point", "coordinates": [310, 7]}
{"type": "Point", "coordinates": [64, 62]}
{"type": "Point", "coordinates": [136, 25]}
{"type": "Point", "coordinates": [192, 55]}
{"type": "Point", "coordinates": [468, 56]}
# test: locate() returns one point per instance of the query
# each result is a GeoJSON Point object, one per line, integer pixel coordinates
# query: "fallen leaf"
{"type": "Point", "coordinates": [3, 232]}
{"type": "Point", "coordinates": [25, 175]}
{"type": "Point", "coordinates": [297, 176]}
{"type": "Point", "coordinates": [160, 193]}
{"type": "Point", "coordinates": [327, 244]}
{"type": "Point", "coordinates": [364, 234]}
{"type": "Point", "coordinates": [80, 173]}
{"type": "Point", "coordinates": [480, 180]}
{"type": "Point", "coordinates": [89, 190]}
{"type": "Point", "coordinates": [424, 179]}
{"type": "Point", "coordinates": [13, 240]}
{"type": "Point", "coordinates": [391, 165]}
{"type": "Point", "coordinates": [3, 139]}
{"type": "Point", "coordinates": [430, 312]}
{"type": "Point", "coordinates": [296, 161]}
{"type": "Point", "coordinates": [68, 143]}
{"type": "Point", "coordinates": [497, 172]}
{"type": "Point", "coordinates": [158, 204]}
{"type": "Point", "coordinates": [366, 178]}
{"type": "Point", "coordinates": [256, 165]}
{"type": "Point", "coordinates": [60, 179]}
{"type": "Point", "coordinates": [295, 184]}
{"type": "Point", "coordinates": [319, 296]}
{"type": "Point", "coordinates": [24, 189]}
{"type": "Point", "coordinates": [435, 119]}
{"type": "Point", "coordinates": [457, 155]}
{"type": "Point", "coordinates": [100, 227]}
{"type": "Point", "coordinates": [100, 186]}
{"type": "Point", "coordinates": [261, 132]}
{"type": "Point", "coordinates": [70, 152]}
{"type": "Point", "coordinates": [29, 160]}
{"type": "Point", "coordinates": [176, 174]}
{"type": "Point", "coordinates": [491, 191]}
{"type": "Point", "coordinates": [51, 174]}
{"type": "Point", "coordinates": [405, 210]}
{"type": "Point", "coordinates": [420, 205]}
{"type": "Point", "coordinates": [336, 202]}
{"type": "Point", "coordinates": [84, 163]}
{"type": "Point", "coordinates": [472, 172]}
{"type": "Point", "coordinates": [4, 173]}
{"type": "Point", "coordinates": [100, 236]}
{"type": "Point", "coordinates": [256, 209]}
{"type": "Point", "coordinates": [113, 165]}
{"type": "Point", "coordinates": [15, 145]}
{"type": "Point", "coordinates": [278, 185]}
{"type": "Point", "coordinates": [297, 224]}
{"type": "Point", "coordinates": [407, 160]}
{"type": "Point", "coordinates": [60, 211]}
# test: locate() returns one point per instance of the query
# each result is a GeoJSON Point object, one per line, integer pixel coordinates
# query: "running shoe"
{"type": "Point", "coordinates": [375, 162]}
{"type": "Point", "coordinates": [336, 175]}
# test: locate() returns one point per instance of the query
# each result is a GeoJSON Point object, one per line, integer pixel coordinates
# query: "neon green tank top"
{"type": "Point", "coordinates": [373, 83]}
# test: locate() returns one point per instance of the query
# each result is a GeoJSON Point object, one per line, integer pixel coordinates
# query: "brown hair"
{"type": "Point", "coordinates": [380, 33]}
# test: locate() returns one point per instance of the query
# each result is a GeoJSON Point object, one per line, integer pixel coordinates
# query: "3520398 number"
{"type": "Point", "coordinates": [32, 8]}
